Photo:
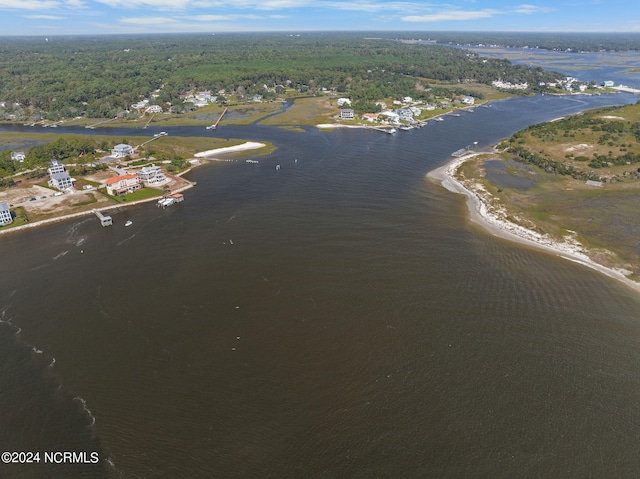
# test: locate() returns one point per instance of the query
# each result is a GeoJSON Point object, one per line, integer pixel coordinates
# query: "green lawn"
{"type": "Point", "coordinates": [141, 194]}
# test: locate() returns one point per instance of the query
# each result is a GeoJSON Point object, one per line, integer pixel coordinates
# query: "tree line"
{"type": "Point", "coordinates": [103, 76]}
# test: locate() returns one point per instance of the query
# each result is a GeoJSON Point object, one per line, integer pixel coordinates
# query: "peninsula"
{"type": "Point", "coordinates": [570, 186]}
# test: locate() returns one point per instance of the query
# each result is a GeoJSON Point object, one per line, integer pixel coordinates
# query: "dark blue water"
{"type": "Point", "coordinates": [338, 317]}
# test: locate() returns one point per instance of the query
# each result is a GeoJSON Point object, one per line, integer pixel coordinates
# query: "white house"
{"type": "Point", "coordinates": [59, 178]}
{"type": "Point", "coordinates": [405, 114]}
{"type": "Point", "coordinates": [346, 114]}
{"type": "Point", "coordinates": [121, 150]}
{"type": "Point", "coordinates": [55, 166]}
{"type": "Point", "coordinates": [60, 181]}
{"type": "Point", "coordinates": [18, 156]}
{"type": "Point", "coordinates": [154, 109]}
{"type": "Point", "coordinates": [140, 105]}
{"type": "Point", "coordinates": [152, 176]}
{"type": "Point", "coordinates": [5, 214]}
{"type": "Point", "coordinates": [343, 102]}
{"type": "Point", "coordinates": [468, 100]}
{"type": "Point", "coordinates": [391, 116]}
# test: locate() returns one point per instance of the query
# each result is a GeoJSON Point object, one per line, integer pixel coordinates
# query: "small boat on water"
{"type": "Point", "coordinates": [128, 223]}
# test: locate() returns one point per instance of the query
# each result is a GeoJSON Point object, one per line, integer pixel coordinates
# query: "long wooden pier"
{"type": "Point", "coordinates": [215, 125]}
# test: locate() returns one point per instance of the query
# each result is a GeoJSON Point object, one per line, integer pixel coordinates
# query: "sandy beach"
{"type": "Point", "coordinates": [494, 220]}
{"type": "Point", "coordinates": [249, 145]}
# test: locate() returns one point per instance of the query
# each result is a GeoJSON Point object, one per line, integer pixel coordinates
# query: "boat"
{"type": "Point", "coordinates": [128, 223]}
{"type": "Point", "coordinates": [438, 118]}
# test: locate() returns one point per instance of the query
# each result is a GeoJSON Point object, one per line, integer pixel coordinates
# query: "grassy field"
{"type": "Point", "coordinates": [306, 111]}
{"type": "Point", "coordinates": [141, 194]}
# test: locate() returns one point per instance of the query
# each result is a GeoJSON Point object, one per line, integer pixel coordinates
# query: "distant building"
{"type": "Point", "coordinates": [346, 114]}
{"type": "Point", "coordinates": [391, 116]}
{"type": "Point", "coordinates": [123, 184]}
{"type": "Point", "coordinates": [608, 83]}
{"type": "Point", "coordinates": [5, 214]}
{"type": "Point", "coordinates": [152, 176]}
{"type": "Point", "coordinates": [154, 109]}
{"type": "Point", "coordinates": [18, 156]}
{"type": "Point", "coordinates": [59, 178]}
{"type": "Point", "coordinates": [343, 102]}
{"type": "Point", "coordinates": [405, 114]}
{"type": "Point", "coordinates": [372, 117]}
{"type": "Point", "coordinates": [121, 150]}
{"type": "Point", "coordinates": [468, 100]}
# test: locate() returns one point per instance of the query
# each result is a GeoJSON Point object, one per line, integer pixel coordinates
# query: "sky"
{"type": "Point", "coordinates": [64, 17]}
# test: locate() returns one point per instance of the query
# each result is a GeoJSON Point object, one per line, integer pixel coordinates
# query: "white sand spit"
{"type": "Point", "coordinates": [249, 145]}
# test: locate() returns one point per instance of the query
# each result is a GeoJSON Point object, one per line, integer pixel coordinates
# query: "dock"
{"type": "Point", "coordinates": [168, 200]}
{"type": "Point", "coordinates": [215, 125]}
{"type": "Point", "coordinates": [104, 219]}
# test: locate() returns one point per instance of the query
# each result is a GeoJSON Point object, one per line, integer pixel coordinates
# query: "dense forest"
{"type": "Point", "coordinates": [62, 77]}
{"type": "Point", "coordinates": [558, 41]}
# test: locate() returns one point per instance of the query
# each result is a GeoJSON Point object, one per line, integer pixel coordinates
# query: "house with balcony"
{"type": "Point", "coordinates": [58, 176]}
{"type": "Point", "coordinates": [123, 184]}
{"type": "Point", "coordinates": [5, 214]}
{"type": "Point", "coordinates": [121, 150]}
{"type": "Point", "coordinates": [152, 176]}
{"type": "Point", "coordinates": [346, 114]}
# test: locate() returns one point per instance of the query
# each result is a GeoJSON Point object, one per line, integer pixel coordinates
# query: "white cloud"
{"type": "Point", "coordinates": [147, 20]}
{"type": "Point", "coordinates": [452, 15]}
{"type": "Point", "coordinates": [43, 17]}
{"type": "Point", "coordinates": [28, 4]}
{"type": "Point", "coordinates": [530, 9]}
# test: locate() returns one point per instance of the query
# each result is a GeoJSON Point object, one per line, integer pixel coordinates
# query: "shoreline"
{"type": "Point", "coordinates": [204, 155]}
{"type": "Point", "coordinates": [494, 222]}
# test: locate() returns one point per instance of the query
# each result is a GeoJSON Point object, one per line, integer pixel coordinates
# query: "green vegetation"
{"type": "Point", "coordinates": [102, 77]}
{"type": "Point", "coordinates": [601, 145]}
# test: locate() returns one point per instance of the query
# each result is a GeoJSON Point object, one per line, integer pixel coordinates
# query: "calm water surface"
{"type": "Point", "coordinates": [335, 318]}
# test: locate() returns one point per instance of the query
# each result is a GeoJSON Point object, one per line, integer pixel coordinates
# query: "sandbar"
{"type": "Point", "coordinates": [249, 145]}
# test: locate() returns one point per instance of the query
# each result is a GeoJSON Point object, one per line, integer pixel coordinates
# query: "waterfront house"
{"type": "Point", "coordinates": [121, 150]}
{"type": "Point", "coordinates": [123, 184]}
{"type": "Point", "coordinates": [58, 176]}
{"type": "Point", "coordinates": [405, 114]}
{"type": "Point", "coordinates": [468, 100]}
{"type": "Point", "coordinates": [372, 117]}
{"type": "Point", "coordinates": [391, 116]}
{"type": "Point", "coordinates": [5, 214]}
{"type": "Point", "coordinates": [154, 109]}
{"type": "Point", "coordinates": [346, 114]}
{"type": "Point", "coordinates": [152, 176]}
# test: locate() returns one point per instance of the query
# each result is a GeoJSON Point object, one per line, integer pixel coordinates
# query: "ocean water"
{"type": "Point", "coordinates": [336, 317]}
